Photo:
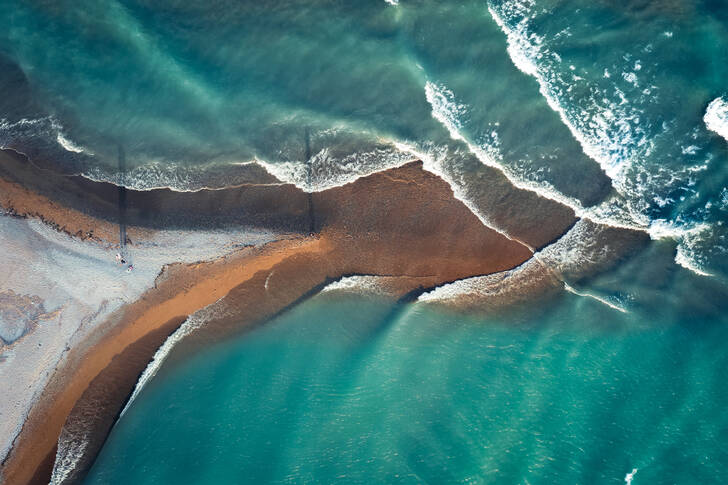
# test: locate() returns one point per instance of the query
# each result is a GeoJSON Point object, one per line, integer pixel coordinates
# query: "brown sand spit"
{"type": "Point", "coordinates": [403, 223]}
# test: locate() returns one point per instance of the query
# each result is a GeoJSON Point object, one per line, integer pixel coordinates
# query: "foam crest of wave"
{"type": "Point", "coordinates": [433, 158]}
{"type": "Point", "coordinates": [364, 284]}
{"type": "Point", "coordinates": [616, 211]}
{"type": "Point", "coordinates": [69, 453]}
{"type": "Point", "coordinates": [156, 174]}
{"type": "Point", "coordinates": [39, 127]}
{"type": "Point", "coordinates": [582, 250]}
{"type": "Point", "coordinates": [608, 131]}
{"type": "Point", "coordinates": [716, 117]}
{"type": "Point", "coordinates": [193, 322]}
{"type": "Point", "coordinates": [325, 169]}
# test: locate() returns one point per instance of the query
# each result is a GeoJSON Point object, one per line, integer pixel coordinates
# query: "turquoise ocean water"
{"type": "Point", "coordinates": [616, 109]}
{"type": "Point", "coordinates": [358, 390]}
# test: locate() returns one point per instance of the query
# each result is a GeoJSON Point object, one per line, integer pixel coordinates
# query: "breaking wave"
{"type": "Point", "coordinates": [614, 211]}
{"type": "Point", "coordinates": [326, 169]}
{"type": "Point", "coordinates": [609, 132]}
{"type": "Point", "coordinates": [716, 117]}
{"type": "Point", "coordinates": [193, 322]}
{"type": "Point", "coordinates": [584, 250]}
{"type": "Point", "coordinates": [367, 285]}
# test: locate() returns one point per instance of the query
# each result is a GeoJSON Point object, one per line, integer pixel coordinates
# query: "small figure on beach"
{"type": "Point", "coordinates": [130, 268]}
{"type": "Point", "coordinates": [118, 258]}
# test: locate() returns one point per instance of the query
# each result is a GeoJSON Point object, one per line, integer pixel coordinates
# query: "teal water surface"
{"type": "Point", "coordinates": [620, 111]}
{"type": "Point", "coordinates": [355, 390]}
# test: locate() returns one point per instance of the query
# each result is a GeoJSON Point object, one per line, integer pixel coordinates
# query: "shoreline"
{"type": "Point", "coordinates": [403, 222]}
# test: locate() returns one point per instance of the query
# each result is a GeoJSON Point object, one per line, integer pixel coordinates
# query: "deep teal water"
{"type": "Point", "coordinates": [354, 390]}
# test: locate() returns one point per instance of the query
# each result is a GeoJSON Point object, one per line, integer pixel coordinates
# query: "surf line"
{"type": "Point", "coordinates": [600, 299]}
{"type": "Point", "coordinates": [444, 110]}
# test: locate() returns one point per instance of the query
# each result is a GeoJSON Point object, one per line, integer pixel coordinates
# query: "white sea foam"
{"type": "Point", "coordinates": [325, 170]}
{"type": "Point", "coordinates": [716, 117]}
{"type": "Point", "coordinates": [7, 125]}
{"type": "Point", "coordinates": [64, 141]}
{"type": "Point", "coordinates": [687, 254]}
{"type": "Point", "coordinates": [570, 257]}
{"type": "Point", "coordinates": [598, 298]}
{"type": "Point", "coordinates": [495, 289]}
{"type": "Point", "coordinates": [432, 161]}
{"type": "Point", "coordinates": [609, 133]}
{"type": "Point", "coordinates": [611, 212]}
{"type": "Point", "coordinates": [630, 476]}
{"type": "Point", "coordinates": [43, 127]}
{"type": "Point", "coordinates": [607, 125]}
{"type": "Point", "coordinates": [74, 439]}
{"type": "Point", "coordinates": [364, 284]}
{"type": "Point", "coordinates": [70, 451]}
{"type": "Point", "coordinates": [445, 109]}
{"type": "Point", "coordinates": [68, 145]}
{"type": "Point", "coordinates": [193, 322]}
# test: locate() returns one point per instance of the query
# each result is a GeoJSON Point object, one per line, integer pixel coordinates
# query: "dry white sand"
{"type": "Point", "coordinates": [73, 286]}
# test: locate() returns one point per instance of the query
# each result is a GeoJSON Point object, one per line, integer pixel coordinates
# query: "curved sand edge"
{"type": "Point", "coordinates": [404, 222]}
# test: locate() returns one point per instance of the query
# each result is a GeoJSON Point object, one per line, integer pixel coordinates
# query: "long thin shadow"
{"type": "Point", "coordinates": [122, 202]}
{"type": "Point", "coordinates": [309, 174]}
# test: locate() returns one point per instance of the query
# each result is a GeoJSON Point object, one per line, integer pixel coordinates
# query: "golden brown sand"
{"type": "Point", "coordinates": [403, 223]}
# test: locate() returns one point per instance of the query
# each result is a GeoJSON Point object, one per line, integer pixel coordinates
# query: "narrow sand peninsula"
{"type": "Point", "coordinates": [403, 224]}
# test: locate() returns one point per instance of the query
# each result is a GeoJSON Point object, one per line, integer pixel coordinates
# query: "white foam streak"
{"type": "Point", "coordinates": [612, 212]}
{"type": "Point", "coordinates": [571, 256]}
{"type": "Point", "coordinates": [607, 136]}
{"type": "Point", "coordinates": [369, 285]}
{"type": "Point", "coordinates": [68, 145]}
{"type": "Point", "coordinates": [432, 162]}
{"type": "Point", "coordinates": [324, 171]}
{"type": "Point", "coordinates": [67, 457]}
{"type": "Point", "coordinates": [600, 299]}
{"type": "Point", "coordinates": [445, 110]}
{"type": "Point", "coordinates": [630, 476]}
{"type": "Point", "coordinates": [716, 117]}
{"type": "Point", "coordinates": [193, 322]}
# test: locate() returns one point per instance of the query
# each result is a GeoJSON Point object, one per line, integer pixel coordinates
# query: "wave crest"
{"type": "Point", "coordinates": [716, 117]}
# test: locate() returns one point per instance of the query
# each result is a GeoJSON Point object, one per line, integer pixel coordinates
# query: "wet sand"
{"type": "Point", "coordinates": [402, 224]}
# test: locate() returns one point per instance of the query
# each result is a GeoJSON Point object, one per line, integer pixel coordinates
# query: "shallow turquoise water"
{"type": "Point", "coordinates": [355, 389]}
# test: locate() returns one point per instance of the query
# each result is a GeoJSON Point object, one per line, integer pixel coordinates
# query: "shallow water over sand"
{"type": "Point", "coordinates": [346, 388]}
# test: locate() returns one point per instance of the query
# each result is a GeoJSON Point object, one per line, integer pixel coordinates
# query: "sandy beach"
{"type": "Point", "coordinates": [417, 236]}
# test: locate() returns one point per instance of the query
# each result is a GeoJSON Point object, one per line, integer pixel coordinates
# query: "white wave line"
{"type": "Point", "coordinates": [445, 110]}
{"type": "Point", "coordinates": [438, 96]}
{"type": "Point", "coordinates": [600, 299]}
{"type": "Point", "coordinates": [193, 322]}
{"type": "Point", "coordinates": [429, 164]}
{"type": "Point", "coordinates": [519, 47]}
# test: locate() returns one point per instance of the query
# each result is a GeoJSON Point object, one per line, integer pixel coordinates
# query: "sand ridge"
{"type": "Point", "coordinates": [403, 222]}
